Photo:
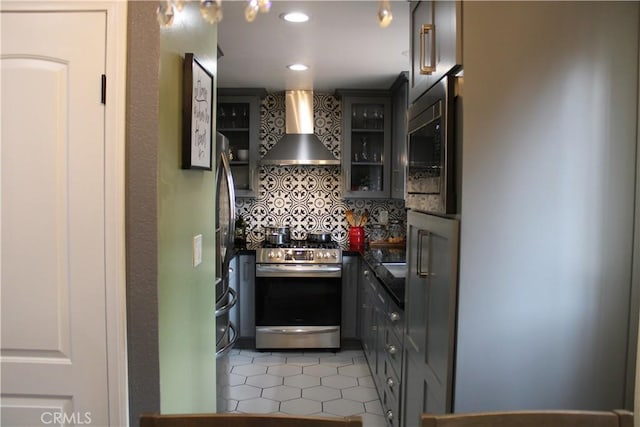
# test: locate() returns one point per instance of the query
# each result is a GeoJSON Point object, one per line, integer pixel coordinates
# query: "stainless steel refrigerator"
{"type": "Point", "coordinates": [226, 297]}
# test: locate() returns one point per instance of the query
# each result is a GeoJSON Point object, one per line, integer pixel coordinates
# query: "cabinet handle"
{"type": "Point", "coordinates": [230, 270]}
{"type": "Point", "coordinates": [390, 382]}
{"type": "Point", "coordinates": [394, 317]}
{"type": "Point", "coordinates": [391, 349]}
{"type": "Point", "coordinates": [390, 415]}
{"type": "Point", "coordinates": [428, 30]}
{"type": "Point", "coordinates": [422, 234]}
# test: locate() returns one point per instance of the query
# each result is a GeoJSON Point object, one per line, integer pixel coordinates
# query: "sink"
{"type": "Point", "coordinates": [396, 269]}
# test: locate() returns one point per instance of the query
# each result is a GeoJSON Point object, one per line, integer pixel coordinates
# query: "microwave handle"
{"type": "Point", "coordinates": [427, 30]}
{"type": "Point", "coordinates": [422, 234]}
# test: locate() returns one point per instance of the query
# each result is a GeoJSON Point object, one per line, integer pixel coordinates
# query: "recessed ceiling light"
{"type": "Point", "coordinates": [295, 17]}
{"type": "Point", "coordinates": [297, 67]}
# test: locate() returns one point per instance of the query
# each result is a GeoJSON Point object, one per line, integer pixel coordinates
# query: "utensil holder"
{"type": "Point", "coordinates": [356, 239]}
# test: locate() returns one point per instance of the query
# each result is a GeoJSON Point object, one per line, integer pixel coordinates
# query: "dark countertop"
{"type": "Point", "coordinates": [373, 257]}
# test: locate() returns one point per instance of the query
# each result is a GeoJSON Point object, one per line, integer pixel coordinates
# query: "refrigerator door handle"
{"type": "Point", "coordinates": [224, 350]}
{"type": "Point", "coordinates": [227, 234]}
{"type": "Point", "coordinates": [422, 234]}
{"type": "Point", "coordinates": [228, 306]}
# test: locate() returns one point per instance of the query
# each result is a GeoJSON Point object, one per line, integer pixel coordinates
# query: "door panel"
{"type": "Point", "coordinates": [52, 215]}
{"type": "Point", "coordinates": [430, 312]}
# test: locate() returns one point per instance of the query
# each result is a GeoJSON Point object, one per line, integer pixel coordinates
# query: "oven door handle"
{"type": "Point", "coordinates": [285, 270]}
{"type": "Point", "coordinates": [292, 330]}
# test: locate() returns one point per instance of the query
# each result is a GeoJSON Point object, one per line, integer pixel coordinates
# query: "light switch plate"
{"type": "Point", "coordinates": [197, 250]}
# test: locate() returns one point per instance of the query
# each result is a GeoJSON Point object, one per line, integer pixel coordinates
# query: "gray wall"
{"type": "Point", "coordinates": [550, 113]}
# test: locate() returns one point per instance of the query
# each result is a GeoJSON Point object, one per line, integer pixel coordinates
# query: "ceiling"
{"type": "Point", "coordinates": [342, 44]}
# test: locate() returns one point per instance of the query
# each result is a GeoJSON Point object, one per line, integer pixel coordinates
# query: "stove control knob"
{"type": "Point", "coordinates": [327, 255]}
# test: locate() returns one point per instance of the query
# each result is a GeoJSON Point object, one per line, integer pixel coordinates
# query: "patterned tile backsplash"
{"type": "Point", "coordinates": [306, 198]}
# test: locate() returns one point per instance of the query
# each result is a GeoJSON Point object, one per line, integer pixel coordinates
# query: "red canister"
{"type": "Point", "coordinates": [356, 239]}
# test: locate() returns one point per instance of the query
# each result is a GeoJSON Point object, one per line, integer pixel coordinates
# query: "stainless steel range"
{"type": "Point", "coordinates": [298, 295]}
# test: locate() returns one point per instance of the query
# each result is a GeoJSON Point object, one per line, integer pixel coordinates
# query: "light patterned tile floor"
{"type": "Point", "coordinates": [303, 383]}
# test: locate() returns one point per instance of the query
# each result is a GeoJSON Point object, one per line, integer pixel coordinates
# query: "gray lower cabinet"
{"type": "Point", "coordinates": [234, 313]}
{"type": "Point", "coordinates": [381, 332]}
{"type": "Point", "coordinates": [430, 310]}
{"type": "Point", "coordinates": [246, 295]}
{"type": "Point", "coordinates": [392, 325]}
{"type": "Point", "coordinates": [349, 321]}
{"type": "Point", "coordinates": [369, 318]}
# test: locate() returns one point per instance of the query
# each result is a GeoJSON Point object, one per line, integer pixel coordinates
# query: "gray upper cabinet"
{"type": "Point", "coordinates": [366, 149]}
{"type": "Point", "coordinates": [436, 43]}
{"type": "Point", "coordinates": [399, 100]}
{"type": "Point", "coordinates": [238, 118]}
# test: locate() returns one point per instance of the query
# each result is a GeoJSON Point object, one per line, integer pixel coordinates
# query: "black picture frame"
{"type": "Point", "coordinates": [197, 115]}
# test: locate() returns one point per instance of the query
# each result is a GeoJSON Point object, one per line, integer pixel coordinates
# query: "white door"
{"type": "Point", "coordinates": [52, 176]}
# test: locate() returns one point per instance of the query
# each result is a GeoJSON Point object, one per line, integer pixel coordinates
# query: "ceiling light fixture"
{"type": "Point", "coordinates": [295, 17]}
{"type": "Point", "coordinates": [297, 67]}
{"type": "Point", "coordinates": [384, 13]}
{"type": "Point", "coordinates": [255, 6]}
{"type": "Point", "coordinates": [164, 13]}
{"type": "Point", "coordinates": [211, 11]}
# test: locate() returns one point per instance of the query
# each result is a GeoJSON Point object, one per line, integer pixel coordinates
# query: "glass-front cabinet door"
{"type": "Point", "coordinates": [366, 156]}
{"type": "Point", "coordinates": [238, 118]}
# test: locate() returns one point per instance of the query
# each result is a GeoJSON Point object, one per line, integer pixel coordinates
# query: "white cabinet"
{"type": "Point", "coordinates": [436, 43]}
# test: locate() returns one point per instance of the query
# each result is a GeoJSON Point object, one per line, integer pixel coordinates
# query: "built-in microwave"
{"type": "Point", "coordinates": [430, 150]}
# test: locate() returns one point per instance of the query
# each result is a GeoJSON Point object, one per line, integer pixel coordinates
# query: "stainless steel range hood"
{"type": "Point", "coordinates": [299, 146]}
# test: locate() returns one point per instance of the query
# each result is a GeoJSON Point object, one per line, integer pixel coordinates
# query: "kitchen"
{"type": "Point", "coordinates": [510, 213]}
{"type": "Point", "coordinates": [532, 397]}
{"type": "Point", "coordinates": [546, 225]}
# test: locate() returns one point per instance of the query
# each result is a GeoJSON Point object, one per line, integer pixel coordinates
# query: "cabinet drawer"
{"type": "Point", "coordinates": [393, 350]}
{"type": "Point", "coordinates": [395, 318]}
{"type": "Point", "coordinates": [391, 380]}
{"type": "Point", "coordinates": [390, 405]}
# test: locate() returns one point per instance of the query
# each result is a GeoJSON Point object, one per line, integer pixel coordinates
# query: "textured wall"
{"type": "Point", "coordinates": [141, 209]}
{"type": "Point", "coordinates": [306, 198]}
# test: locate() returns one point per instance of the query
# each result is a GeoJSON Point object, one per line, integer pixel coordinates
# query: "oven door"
{"type": "Point", "coordinates": [298, 306]}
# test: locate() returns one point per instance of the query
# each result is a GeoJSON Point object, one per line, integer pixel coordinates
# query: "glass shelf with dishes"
{"type": "Point", "coordinates": [366, 143]}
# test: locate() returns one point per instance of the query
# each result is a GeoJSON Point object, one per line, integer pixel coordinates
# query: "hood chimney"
{"type": "Point", "coordinates": [299, 145]}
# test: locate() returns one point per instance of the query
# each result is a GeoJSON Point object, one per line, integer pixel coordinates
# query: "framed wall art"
{"type": "Point", "coordinates": [197, 115]}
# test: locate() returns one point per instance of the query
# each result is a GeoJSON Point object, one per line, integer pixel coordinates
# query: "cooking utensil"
{"type": "Point", "coordinates": [319, 237]}
{"type": "Point", "coordinates": [350, 218]}
{"type": "Point", "coordinates": [364, 218]}
{"type": "Point", "coordinates": [277, 235]}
